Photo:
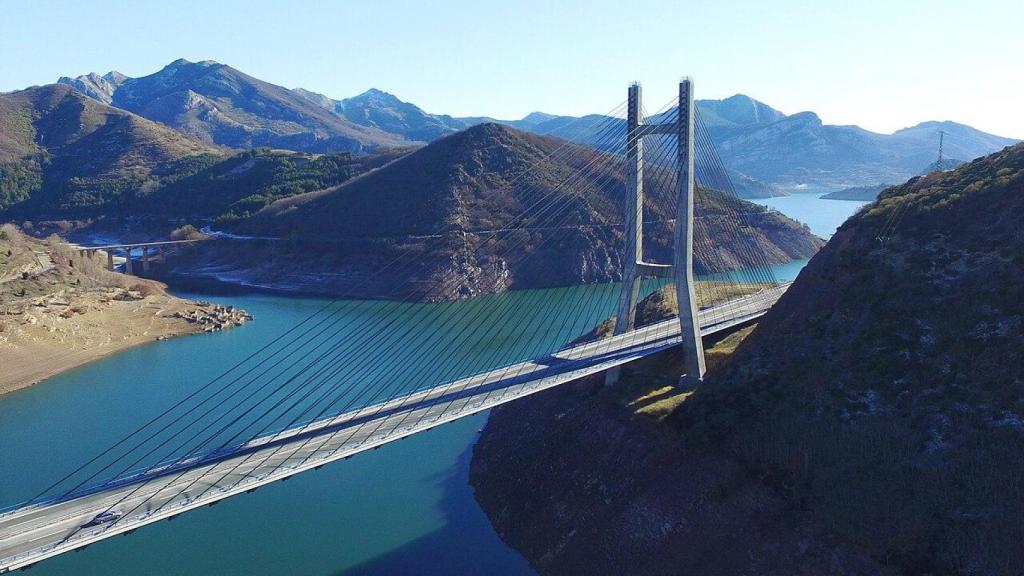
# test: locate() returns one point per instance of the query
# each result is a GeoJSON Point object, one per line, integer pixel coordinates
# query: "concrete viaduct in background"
{"type": "Point", "coordinates": [150, 251]}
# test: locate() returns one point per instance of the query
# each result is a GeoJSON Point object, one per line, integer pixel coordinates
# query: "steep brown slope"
{"type": "Point", "coordinates": [889, 391]}
{"type": "Point", "coordinates": [478, 179]}
{"type": "Point", "coordinates": [872, 423]}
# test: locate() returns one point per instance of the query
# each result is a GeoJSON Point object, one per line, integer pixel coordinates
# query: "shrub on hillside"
{"type": "Point", "coordinates": [186, 232]}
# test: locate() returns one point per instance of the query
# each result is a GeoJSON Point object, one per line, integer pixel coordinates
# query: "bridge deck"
{"type": "Point", "coordinates": [140, 244]}
{"type": "Point", "coordinates": [36, 532]}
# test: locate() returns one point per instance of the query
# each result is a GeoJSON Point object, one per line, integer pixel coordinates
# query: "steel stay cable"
{"type": "Point", "coordinates": [300, 448]}
{"type": "Point", "coordinates": [754, 269]}
{"type": "Point", "coordinates": [234, 468]}
{"type": "Point", "coordinates": [608, 341]}
{"type": "Point", "coordinates": [741, 216]}
{"type": "Point", "coordinates": [504, 391]}
{"type": "Point", "coordinates": [479, 325]}
{"type": "Point", "coordinates": [396, 363]}
{"type": "Point", "coordinates": [568, 199]}
{"type": "Point", "coordinates": [209, 410]}
{"type": "Point", "coordinates": [567, 145]}
{"type": "Point", "coordinates": [274, 341]}
{"type": "Point", "coordinates": [572, 310]}
{"type": "Point", "coordinates": [179, 403]}
{"type": "Point", "coordinates": [368, 340]}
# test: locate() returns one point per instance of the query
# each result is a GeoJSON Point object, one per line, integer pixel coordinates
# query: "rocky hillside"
{"type": "Point", "coordinates": [218, 104]}
{"type": "Point", "coordinates": [379, 109]}
{"type": "Point", "coordinates": [61, 151]}
{"type": "Point", "coordinates": [736, 113]}
{"type": "Point", "coordinates": [382, 110]}
{"type": "Point", "coordinates": [95, 86]}
{"type": "Point", "coordinates": [872, 423]}
{"type": "Point", "coordinates": [800, 149]}
{"type": "Point", "coordinates": [451, 203]}
{"type": "Point", "coordinates": [63, 155]}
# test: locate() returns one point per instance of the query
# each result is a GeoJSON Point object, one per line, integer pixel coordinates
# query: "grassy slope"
{"type": "Point", "coordinates": [883, 393]}
{"type": "Point", "coordinates": [62, 151]}
{"type": "Point", "coordinates": [587, 479]}
{"type": "Point", "coordinates": [231, 190]}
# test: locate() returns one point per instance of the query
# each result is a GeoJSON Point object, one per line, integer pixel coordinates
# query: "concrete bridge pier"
{"type": "Point", "coordinates": [633, 252]}
{"type": "Point", "coordinates": [693, 347]}
{"type": "Point", "coordinates": [151, 251]}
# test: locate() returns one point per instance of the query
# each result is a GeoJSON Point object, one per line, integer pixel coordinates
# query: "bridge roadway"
{"type": "Point", "coordinates": [39, 531]}
{"type": "Point", "coordinates": [139, 244]}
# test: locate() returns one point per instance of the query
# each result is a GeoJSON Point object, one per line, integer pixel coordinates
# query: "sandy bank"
{"type": "Point", "coordinates": [43, 339]}
{"type": "Point", "coordinates": [60, 309]}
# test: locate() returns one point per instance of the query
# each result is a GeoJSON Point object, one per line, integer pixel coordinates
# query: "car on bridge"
{"type": "Point", "coordinates": [108, 516]}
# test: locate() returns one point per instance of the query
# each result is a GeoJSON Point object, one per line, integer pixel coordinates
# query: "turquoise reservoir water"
{"type": "Point", "coordinates": [822, 216]}
{"type": "Point", "coordinates": [404, 509]}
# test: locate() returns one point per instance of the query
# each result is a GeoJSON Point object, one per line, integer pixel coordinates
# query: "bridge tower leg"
{"type": "Point", "coordinates": [693, 348]}
{"type": "Point", "coordinates": [145, 258]}
{"type": "Point", "coordinates": [110, 260]}
{"type": "Point", "coordinates": [634, 215]}
{"type": "Point", "coordinates": [128, 262]}
{"type": "Point", "coordinates": [681, 270]}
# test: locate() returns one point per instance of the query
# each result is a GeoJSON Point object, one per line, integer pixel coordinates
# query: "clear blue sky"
{"type": "Point", "coordinates": [880, 64]}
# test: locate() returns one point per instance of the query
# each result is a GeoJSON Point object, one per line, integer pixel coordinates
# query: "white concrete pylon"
{"type": "Point", "coordinates": [634, 267]}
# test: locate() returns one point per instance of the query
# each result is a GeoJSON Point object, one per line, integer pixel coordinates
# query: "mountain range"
{"type": "Point", "coordinates": [218, 104]}
{"type": "Point", "coordinates": [61, 150]}
{"type": "Point", "coordinates": [767, 150]}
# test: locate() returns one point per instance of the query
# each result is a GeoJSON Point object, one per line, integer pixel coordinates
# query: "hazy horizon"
{"type": "Point", "coordinates": [877, 66]}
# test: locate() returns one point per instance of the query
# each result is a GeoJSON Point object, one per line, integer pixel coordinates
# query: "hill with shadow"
{"type": "Point", "coordinates": [871, 423]}
{"type": "Point", "coordinates": [455, 204]}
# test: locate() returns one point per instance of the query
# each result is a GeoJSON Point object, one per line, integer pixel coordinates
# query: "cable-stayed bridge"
{"type": "Point", "coordinates": [343, 380]}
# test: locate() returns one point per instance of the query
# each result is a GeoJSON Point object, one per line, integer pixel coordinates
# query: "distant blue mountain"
{"type": "Point", "coordinates": [765, 147]}
{"type": "Point", "coordinates": [378, 109]}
